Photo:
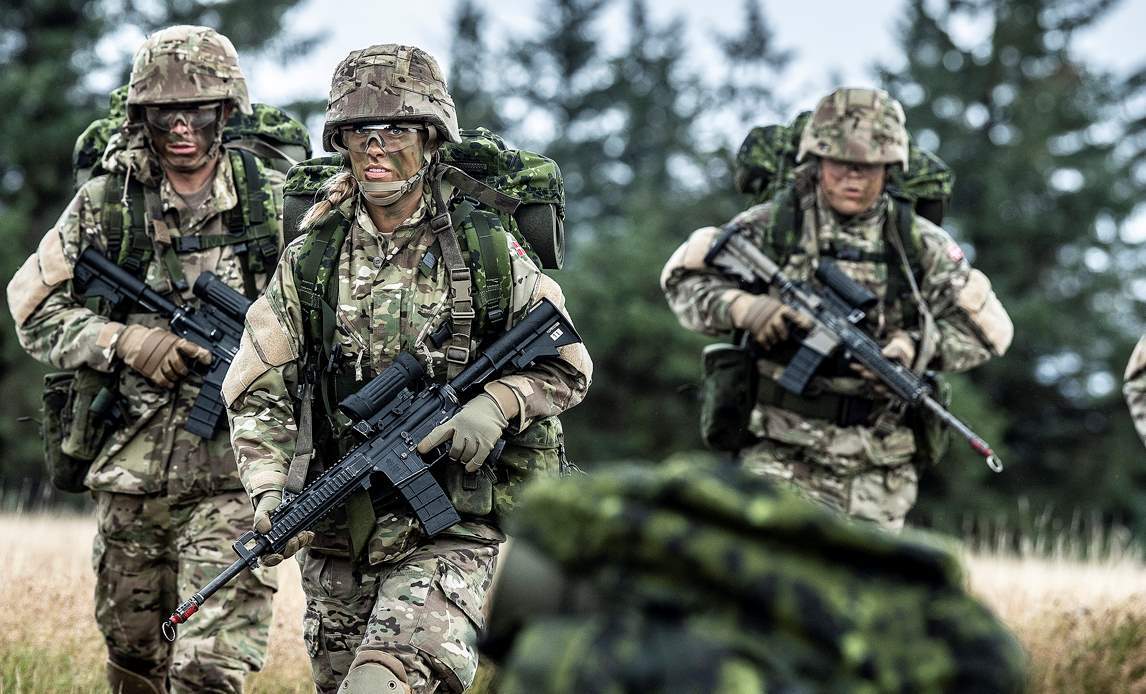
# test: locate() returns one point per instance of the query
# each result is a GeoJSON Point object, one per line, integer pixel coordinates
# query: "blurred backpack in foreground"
{"type": "Point", "coordinates": [696, 576]}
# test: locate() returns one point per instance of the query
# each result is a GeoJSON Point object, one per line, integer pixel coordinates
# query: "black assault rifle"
{"type": "Point", "coordinates": [216, 326]}
{"type": "Point", "coordinates": [391, 414]}
{"type": "Point", "coordinates": [837, 310]}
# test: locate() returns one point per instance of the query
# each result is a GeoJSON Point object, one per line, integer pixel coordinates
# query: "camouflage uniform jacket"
{"type": "Point", "coordinates": [1135, 387]}
{"type": "Point", "coordinates": [385, 305]}
{"type": "Point", "coordinates": [971, 325]}
{"type": "Point", "coordinates": [152, 453]}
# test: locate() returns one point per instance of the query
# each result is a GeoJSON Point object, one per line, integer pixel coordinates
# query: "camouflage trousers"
{"type": "Point", "coordinates": [149, 553]}
{"type": "Point", "coordinates": [852, 485]}
{"type": "Point", "coordinates": [425, 609]}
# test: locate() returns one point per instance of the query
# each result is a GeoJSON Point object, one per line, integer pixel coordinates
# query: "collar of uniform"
{"type": "Point", "coordinates": [223, 197]}
{"type": "Point", "coordinates": [402, 233]}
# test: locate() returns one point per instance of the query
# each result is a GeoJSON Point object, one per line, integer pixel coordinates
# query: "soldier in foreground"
{"type": "Point", "coordinates": [845, 442]}
{"type": "Point", "coordinates": [168, 502]}
{"type": "Point", "coordinates": [378, 272]}
{"type": "Point", "coordinates": [1135, 387]}
{"type": "Point", "coordinates": [693, 576]}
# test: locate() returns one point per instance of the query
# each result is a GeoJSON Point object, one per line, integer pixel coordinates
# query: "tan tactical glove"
{"type": "Point", "coordinates": [269, 501]}
{"type": "Point", "coordinates": [158, 354]}
{"type": "Point", "coordinates": [765, 318]}
{"type": "Point", "coordinates": [473, 432]}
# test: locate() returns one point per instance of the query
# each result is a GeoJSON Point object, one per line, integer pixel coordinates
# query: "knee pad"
{"type": "Point", "coordinates": [375, 672]}
{"type": "Point", "coordinates": [125, 681]}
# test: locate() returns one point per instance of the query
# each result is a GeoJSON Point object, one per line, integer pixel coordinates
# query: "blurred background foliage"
{"type": "Point", "coordinates": [1050, 154]}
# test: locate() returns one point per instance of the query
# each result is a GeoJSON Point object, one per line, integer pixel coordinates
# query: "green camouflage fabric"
{"type": "Point", "coordinates": [186, 64]}
{"type": "Point", "coordinates": [766, 162]}
{"type": "Point", "coordinates": [867, 471]}
{"type": "Point", "coordinates": [407, 85]}
{"type": "Point", "coordinates": [268, 132]}
{"type": "Point", "coordinates": [424, 608]}
{"type": "Point", "coordinates": [703, 578]}
{"type": "Point", "coordinates": [149, 551]}
{"type": "Point", "coordinates": [857, 125]}
{"type": "Point", "coordinates": [1135, 387]}
{"type": "Point", "coordinates": [151, 456]}
{"type": "Point", "coordinates": [386, 303]}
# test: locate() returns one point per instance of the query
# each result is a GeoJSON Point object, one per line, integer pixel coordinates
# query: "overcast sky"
{"type": "Point", "coordinates": [828, 36]}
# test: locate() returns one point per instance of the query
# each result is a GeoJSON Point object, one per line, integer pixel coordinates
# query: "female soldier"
{"type": "Point", "coordinates": [379, 271]}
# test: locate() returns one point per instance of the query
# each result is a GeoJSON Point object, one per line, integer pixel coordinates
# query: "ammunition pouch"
{"type": "Point", "coordinates": [841, 410]}
{"type": "Point", "coordinates": [727, 396]}
{"type": "Point", "coordinates": [78, 409]}
{"type": "Point", "coordinates": [932, 436]}
{"type": "Point", "coordinates": [538, 451]}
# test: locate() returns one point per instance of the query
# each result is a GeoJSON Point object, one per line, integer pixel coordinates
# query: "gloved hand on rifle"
{"type": "Point", "coordinates": [900, 347]}
{"type": "Point", "coordinates": [158, 354]}
{"type": "Point", "coordinates": [765, 318]}
{"type": "Point", "coordinates": [268, 501]}
{"type": "Point", "coordinates": [475, 429]}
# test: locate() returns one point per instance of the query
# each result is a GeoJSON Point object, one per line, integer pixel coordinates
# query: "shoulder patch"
{"type": "Point", "coordinates": [954, 252]}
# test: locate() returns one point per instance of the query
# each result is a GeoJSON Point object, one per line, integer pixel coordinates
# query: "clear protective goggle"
{"type": "Point", "coordinates": [167, 118]}
{"type": "Point", "coordinates": [389, 137]}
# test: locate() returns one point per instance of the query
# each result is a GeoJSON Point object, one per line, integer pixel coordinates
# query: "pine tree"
{"type": "Point", "coordinates": [1033, 135]}
{"type": "Point", "coordinates": [471, 73]}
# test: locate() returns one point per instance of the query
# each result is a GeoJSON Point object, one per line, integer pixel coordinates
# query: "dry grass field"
{"type": "Point", "coordinates": [1082, 623]}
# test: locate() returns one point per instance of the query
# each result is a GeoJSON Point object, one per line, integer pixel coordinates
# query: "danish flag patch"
{"type": "Point", "coordinates": [954, 252]}
{"type": "Point", "coordinates": [516, 248]}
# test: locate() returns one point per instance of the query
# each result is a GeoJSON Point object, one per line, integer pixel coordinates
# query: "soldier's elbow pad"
{"type": "Point", "coordinates": [690, 254]}
{"type": "Point", "coordinates": [38, 277]}
{"type": "Point", "coordinates": [266, 344]}
{"type": "Point", "coordinates": [986, 312]}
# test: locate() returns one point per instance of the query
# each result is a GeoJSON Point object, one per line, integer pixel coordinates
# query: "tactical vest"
{"type": "Point", "coordinates": [481, 285]}
{"type": "Point", "coordinates": [80, 407]}
{"type": "Point", "coordinates": [250, 226]}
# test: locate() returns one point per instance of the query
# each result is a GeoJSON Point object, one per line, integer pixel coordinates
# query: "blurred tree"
{"type": "Point", "coordinates": [1043, 190]}
{"type": "Point", "coordinates": [752, 63]}
{"type": "Point", "coordinates": [470, 70]}
{"type": "Point", "coordinates": [49, 51]}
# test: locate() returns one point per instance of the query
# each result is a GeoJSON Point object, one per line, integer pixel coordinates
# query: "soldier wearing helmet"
{"type": "Point", "coordinates": [379, 271]}
{"type": "Point", "coordinates": [168, 503]}
{"type": "Point", "coordinates": [845, 442]}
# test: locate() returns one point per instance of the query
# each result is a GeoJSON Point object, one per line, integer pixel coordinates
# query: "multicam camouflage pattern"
{"type": "Point", "coordinates": [424, 608]}
{"type": "Point", "coordinates": [387, 302]}
{"type": "Point", "coordinates": [151, 458]}
{"type": "Point", "coordinates": [858, 125]}
{"type": "Point", "coordinates": [766, 162]}
{"type": "Point", "coordinates": [186, 64]}
{"type": "Point", "coordinates": [859, 469]}
{"type": "Point", "coordinates": [150, 550]}
{"type": "Point", "coordinates": [403, 83]}
{"type": "Point", "coordinates": [705, 578]}
{"type": "Point", "coordinates": [1135, 387]}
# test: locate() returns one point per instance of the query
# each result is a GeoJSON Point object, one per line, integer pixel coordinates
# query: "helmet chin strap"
{"type": "Point", "coordinates": [386, 193]}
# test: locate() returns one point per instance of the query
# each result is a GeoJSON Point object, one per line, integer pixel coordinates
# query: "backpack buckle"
{"type": "Point", "coordinates": [458, 355]}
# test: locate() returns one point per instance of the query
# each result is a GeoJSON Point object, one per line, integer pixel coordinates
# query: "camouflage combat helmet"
{"type": "Point", "coordinates": [186, 64]}
{"type": "Point", "coordinates": [858, 125]}
{"type": "Point", "coordinates": [389, 82]}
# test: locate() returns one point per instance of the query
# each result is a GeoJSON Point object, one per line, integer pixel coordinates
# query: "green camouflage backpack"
{"type": "Point", "coordinates": [695, 575]}
{"type": "Point", "coordinates": [496, 190]}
